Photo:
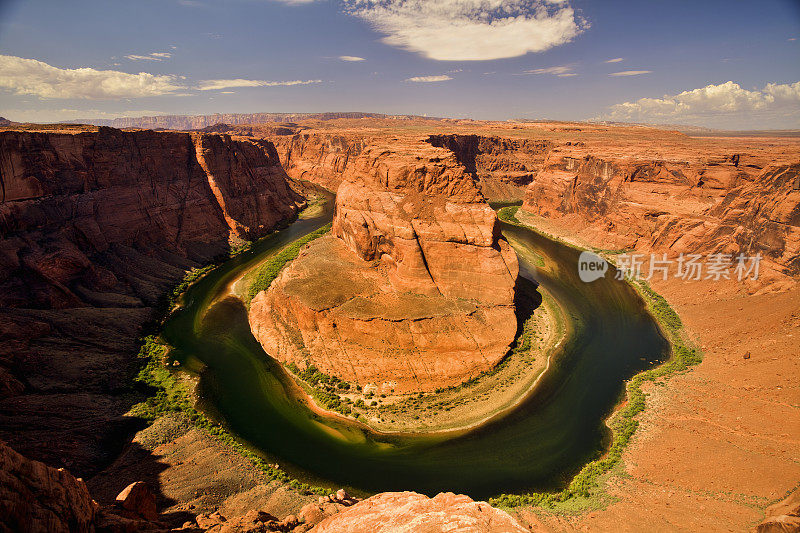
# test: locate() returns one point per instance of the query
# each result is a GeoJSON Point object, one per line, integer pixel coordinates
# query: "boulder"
{"type": "Point", "coordinates": [138, 500]}
{"type": "Point", "coordinates": [408, 511]}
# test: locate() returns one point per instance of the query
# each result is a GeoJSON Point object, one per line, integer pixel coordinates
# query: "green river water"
{"type": "Point", "coordinates": [537, 446]}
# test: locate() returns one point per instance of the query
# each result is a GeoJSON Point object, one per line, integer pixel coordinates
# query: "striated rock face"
{"type": "Point", "coordinates": [319, 158]}
{"type": "Point", "coordinates": [503, 166]}
{"type": "Point", "coordinates": [408, 511]}
{"type": "Point", "coordinates": [94, 227]}
{"type": "Point", "coordinates": [414, 289]}
{"type": "Point", "coordinates": [35, 497]}
{"type": "Point", "coordinates": [700, 207]}
{"type": "Point", "coordinates": [110, 194]}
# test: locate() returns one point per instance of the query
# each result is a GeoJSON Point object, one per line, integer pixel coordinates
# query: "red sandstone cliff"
{"type": "Point", "coordinates": [503, 166]}
{"type": "Point", "coordinates": [319, 157]}
{"type": "Point", "coordinates": [714, 206]}
{"type": "Point", "coordinates": [416, 289]}
{"type": "Point", "coordinates": [94, 227]}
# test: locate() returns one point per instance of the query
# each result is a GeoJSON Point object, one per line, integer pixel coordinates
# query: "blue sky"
{"type": "Point", "coordinates": [484, 59]}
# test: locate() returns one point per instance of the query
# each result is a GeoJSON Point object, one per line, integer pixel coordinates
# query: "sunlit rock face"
{"type": "Point", "coordinates": [734, 205]}
{"type": "Point", "coordinates": [409, 511]}
{"type": "Point", "coordinates": [413, 290]}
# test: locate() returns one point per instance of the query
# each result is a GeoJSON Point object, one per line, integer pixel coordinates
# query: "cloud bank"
{"type": "Point", "coordinates": [29, 76]}
{"type": "Point", "coordinates": [213, 85]}
{"type": "Point", "coordinates": [430, 79]}
{"type": "Point", "coordinates": [470, 30]}
{"type": "Point", "coordinates": [631, 73]}
{"type": "Point", "coordinates": [726, 105]}
{"type": "Point", "coordinates": [562, 71]}
{"type": "Point", "coordinates": [154, 56]}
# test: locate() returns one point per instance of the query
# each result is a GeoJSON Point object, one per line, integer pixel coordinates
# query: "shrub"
{"type": "Point", "coordinates": [267, 273]}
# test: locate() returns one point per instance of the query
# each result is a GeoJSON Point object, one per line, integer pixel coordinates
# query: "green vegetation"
{"type": "Point", "coordinates": [273, 267]}
{"type": "Point", "coordinates": [323, 388]}
{"type": "Point", "coordinates": [509, 214]}
{"type": "Point", "coordinates": [659, 307]}
{"type": "Point", "coordinates": [586, 488]}
{"type": "Point", "coordinates": [190, 277]}
{"type": "Point", "coordinates": [167, 393]}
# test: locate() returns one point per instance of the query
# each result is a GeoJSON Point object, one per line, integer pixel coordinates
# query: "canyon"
{"type": "Point", "coordinates": [99, 223]}
{"type": "Point", "coordinates": [97, 226]}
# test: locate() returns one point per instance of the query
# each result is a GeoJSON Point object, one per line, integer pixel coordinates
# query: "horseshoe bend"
{"type": "Point", "coordinates": [397, 266]}
{"type": "Point", "coordinates": [421, 321]}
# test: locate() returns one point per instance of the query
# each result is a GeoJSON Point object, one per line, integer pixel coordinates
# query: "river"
{"type": "Point", "coordinates": [537, 446]}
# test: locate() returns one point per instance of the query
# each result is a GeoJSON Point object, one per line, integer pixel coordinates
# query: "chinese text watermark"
{"type": "Point", "coordinates": [688, 267]}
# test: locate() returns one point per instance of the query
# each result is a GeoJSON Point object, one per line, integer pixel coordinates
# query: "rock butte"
{"type": "Point", "coordinates": [97, 224]}
{"type": "Point", "coordinates": [414, 290]}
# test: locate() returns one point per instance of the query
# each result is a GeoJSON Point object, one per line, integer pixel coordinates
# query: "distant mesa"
{"type": "Point", "coordinates": [198, 122]}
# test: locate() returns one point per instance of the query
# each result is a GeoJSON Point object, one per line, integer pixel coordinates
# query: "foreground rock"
{"type": "Point", "coordinates": [414, 290]}
{"type": "Point", "coordinates": [396, 512]}
{"type": "Point", "coordinates": [783, 517]}
{"type": "Point", "coordinates": [35, 497]}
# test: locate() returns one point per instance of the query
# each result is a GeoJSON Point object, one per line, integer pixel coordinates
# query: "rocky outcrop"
{"type": "Point", "coordinates": [503, 166]}
{"type": "Point", "coordinates": [783, 517]}
{"type": "Point", "coordinates": [94, 227]}
{"type": "Point", "coordinates": [35, 497]}
{"type": "Point", "coordinates": [713, 206]}
{"type": "Point", "coordinates": [320, 158]}
{"type": "Point", "coordinates": [415, 288]}
{"type": "Point", "coordinates": [409, 511]}
{"type": "Point", "coordinates": [138, 501]}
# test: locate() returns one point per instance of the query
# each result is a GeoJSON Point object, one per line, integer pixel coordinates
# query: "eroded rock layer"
{"type": "Point", "coordinates": [414, 289]}
{"type": "Point", "coordinates": [320, 158]}
{"type": "Point", "coordinates": [727, 206]}
{"type": "Point", "coordinates": [503, 166]}
{"type": "Point", "coordinates": [95, 226]}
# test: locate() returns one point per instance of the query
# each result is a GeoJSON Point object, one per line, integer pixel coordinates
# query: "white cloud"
{"type": "Point", "coordinates": [726, 105]}
{"type": "Point", "coordinates": [561, 71]}
{"type": "Point", "coordinates": [155, 56]}
{"type": "Point", "coordinates": [615, 60]}
{"type": "Point", "coordinates": [213, 85]}
{"type": "Point", "coordinates": [29, 76]}
{"type": "Point", "coordinates": [631, 73]}
{"type": "Point", "coordinates": [429, 79]}
{"type": "Point", "coordinates": [470, 30]}
{"type": "Point", "coordinates": [351, 58]}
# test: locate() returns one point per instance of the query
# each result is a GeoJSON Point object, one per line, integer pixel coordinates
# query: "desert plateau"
{"type": "Point", "coordinates": [443, 313]}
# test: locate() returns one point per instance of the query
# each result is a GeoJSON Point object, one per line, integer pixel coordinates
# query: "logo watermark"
{"type": "Point", "coordinates": [591, 267]}
{"type": "Point", "coordinates": [688, 267]}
